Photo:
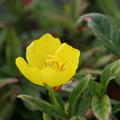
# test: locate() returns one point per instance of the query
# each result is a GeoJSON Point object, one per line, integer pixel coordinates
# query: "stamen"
{"type": "Point", "coordinates": [51, 56]}
{"type": "Point", "coordinates": [51, 60]}
{"type": "Point", "coordinates": [62, 65]}
{"type": "Point", "coordinates": [56, 63]}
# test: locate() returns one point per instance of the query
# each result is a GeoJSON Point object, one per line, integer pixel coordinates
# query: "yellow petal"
{"type": "Point", "coordinates": [54, 78]}
{"type": "Point", "coordinates": [71, 55]}
{"type": "Point", "coordinates": [37, 51]}
{"type": "Point", "coordinates": [33, 74]}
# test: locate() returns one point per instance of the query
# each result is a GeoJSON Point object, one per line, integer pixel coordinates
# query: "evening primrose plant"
{"type": "Point", "coordinates": [52, 64]}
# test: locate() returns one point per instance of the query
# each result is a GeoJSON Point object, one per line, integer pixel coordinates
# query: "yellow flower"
{"type": "Point", "coordinates": [49, 62]}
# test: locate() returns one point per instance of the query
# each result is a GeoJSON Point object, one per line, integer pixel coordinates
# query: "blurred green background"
{"type": "Point", "coordinates": [22, 21]}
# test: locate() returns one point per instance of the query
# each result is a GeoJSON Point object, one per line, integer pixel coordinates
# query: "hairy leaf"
{"type": "Point", "coordinates": [76, 93]}
{"type": "Point", "coordinates": [110, 72]}
{"type": "Point", "coordinates": [101, 107]}
{"type": "Point", "coordinates": [84, 105]}
{"type": "Point", "coordinates": [104, 29]}
{"type": "Point", "coordinates": [43, 106]}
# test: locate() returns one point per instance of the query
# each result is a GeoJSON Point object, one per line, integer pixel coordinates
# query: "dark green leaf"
{"type": "Point", "coordinates": [103, 60]}
{"type": "Point", "coordinates": [104, 29]}
{"type": "Point", "coordinates": [43, 106]}
{"type": "Point", "coordinates": [116, 108]}
{"type": "Point", "coordinates": [101, 107]}
{"type": "Point", "coordinates": [106, 5]}
{"type": "Point", "coordinates": [73, 110]}
{"type": "Point", "coordinates": [117, 79]}
{"type": "Point", "coordinates": [75, 8]}
{"type": "Point", "coordinates": [84, 105]}
{"type": "Point", "coordinates": [13, 47]}
{"type": "Point", "coordinates": [110, 72]}
{"type": "Point", "coordinates": [95, 88]}
{"type": "Point", "coordinates": [78, 118]}
{"type": "Point", "coordinates": [78, 76]}
{"type": "Point", "coordinates": [76, 93]}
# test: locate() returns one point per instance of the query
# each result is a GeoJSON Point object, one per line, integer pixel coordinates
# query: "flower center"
{"type": "Point", "coordinates": [56, 63]}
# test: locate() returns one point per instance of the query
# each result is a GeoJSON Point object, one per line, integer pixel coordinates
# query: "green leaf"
{"type": "Point", "coordinates": [76, 93]}
{"type": "Point", "coordinates": [95, 88]}
{"type": "Point", "coordinates": [103, 60]}
{"type": "Point", "coordinates": [78, 118]}
{"type": "Point", "coordinates": [106, 5]}
{"type": "Point", "coordinates": [104, 29]}
{"type": "Point", "coordinates": [13, 47]}
{"type": "Point", "coordinates": [117, 79]}
{"type": "Point", "coordinates": [116, 108]}
{"type": "Point", "coordinates": [56, 98]}
{"type": "Point", "coordinates": [91, 71]}
{"type": "Point", "coordinates": [101, 107]}
{"type": "Point", "coordinates": [73, 110]}
{"type": "Point", "coordinates": [78, 76]}
{"type": "Point", "coordinates": [75, 8]}
{"type": "Point", "coordinates": [84, 105]}
{"type": "Point", "coordinates": [43, 106]}
{"type": "Point", "coordinates": [110, 72]}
